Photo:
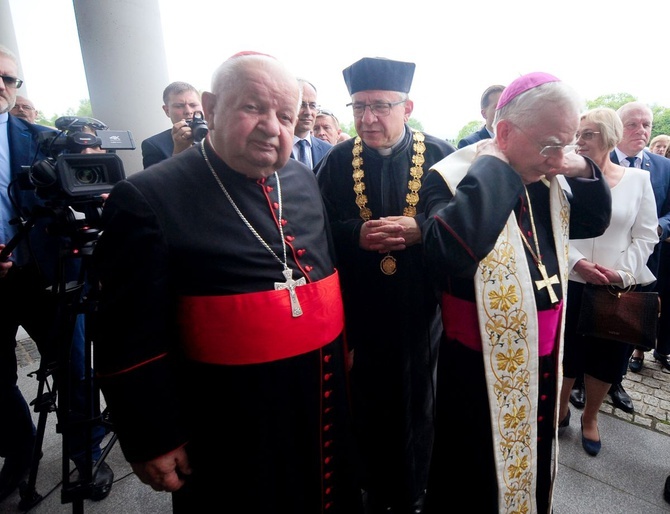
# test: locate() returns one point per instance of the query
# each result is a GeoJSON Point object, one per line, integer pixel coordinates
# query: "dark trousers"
{"type": "Point", "coordinates": [24, 301]}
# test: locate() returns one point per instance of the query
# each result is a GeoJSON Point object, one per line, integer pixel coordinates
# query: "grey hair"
{"type": "Point", "coordinates": [524, 109]}
{"type": "Point", "coordinates": [230, 75]}
{"type": "Point", "coordinates": [8, 53]}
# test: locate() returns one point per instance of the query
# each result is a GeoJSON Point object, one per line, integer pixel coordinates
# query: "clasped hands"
{"type": "Point", "coordinates": [593, 273]}
{"type": "Point", "coordinates": [389, 234]}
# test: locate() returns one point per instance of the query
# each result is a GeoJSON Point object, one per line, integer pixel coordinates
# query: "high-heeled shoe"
{"type": "Point", "coordinates": [590, 446]}
{"type": "Point", "coordinates": [564, 423]}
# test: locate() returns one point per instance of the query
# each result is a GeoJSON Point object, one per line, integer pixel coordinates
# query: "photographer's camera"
{"type": "Point", "coordinates": [198, 126]}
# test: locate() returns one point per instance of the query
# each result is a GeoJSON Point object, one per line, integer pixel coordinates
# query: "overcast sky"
{"type": "Point", "coordinates": [459, 48]}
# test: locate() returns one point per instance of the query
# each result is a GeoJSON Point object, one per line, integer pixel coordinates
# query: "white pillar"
{"type": "Point", "coordinates": [126, 67]}
{"type": "Point", "coordinates": [8, 38]}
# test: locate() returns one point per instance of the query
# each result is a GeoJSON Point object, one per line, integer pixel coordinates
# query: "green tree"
{"type": "Point", "coordinates": [468, 129]}
{"type": "Point", "coordinates": [415, 124]}
{"type": "Point", "coordinates": [614, 101]}
{"type": "Point", "coordinates": [84, 110]}
{"type": "Point", "coordinates": [661, 120]}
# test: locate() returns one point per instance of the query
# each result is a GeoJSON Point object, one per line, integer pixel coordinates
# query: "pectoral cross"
{"type": "Point", "coordinates": [290, 285]}
{"type": "Point", "coordinates": [547, 282]}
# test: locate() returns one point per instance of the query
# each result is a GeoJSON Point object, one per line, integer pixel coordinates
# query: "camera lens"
{"type": "Point", "coordinates": [88, 176]}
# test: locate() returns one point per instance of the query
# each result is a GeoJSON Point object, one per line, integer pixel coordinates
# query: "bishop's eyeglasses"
{"type": "Point", "coordinates": [379, 109]}
{"type": "Point", "coordinates": [550, 150]}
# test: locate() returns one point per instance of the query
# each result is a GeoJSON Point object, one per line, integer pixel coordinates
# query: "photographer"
{"type": "Point", "coordinates": [25, 301]}
{"type": "Point", "coordinates": [180, 103]}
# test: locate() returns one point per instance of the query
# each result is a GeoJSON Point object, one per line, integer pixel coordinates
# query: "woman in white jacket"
{"type": "Point", "coordinates": [617, 258]}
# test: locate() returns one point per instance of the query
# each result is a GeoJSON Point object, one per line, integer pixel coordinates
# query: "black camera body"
{"type": "Point", "coordinates": [198, 126]}
{"type": "Point", "coordinates": [67, 174]}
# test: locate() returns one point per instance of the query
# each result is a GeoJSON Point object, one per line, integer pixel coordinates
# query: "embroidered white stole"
{"type": "Point", "coordinates": [508, 329]}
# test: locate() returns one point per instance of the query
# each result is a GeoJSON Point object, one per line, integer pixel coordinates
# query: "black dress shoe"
{"type": "Point", "coordinates": [635, 364]}
{"type": "Point", "coordinates": [577, 396]}
{"type": "Point", "coordinates": [620, 398]}
{"type": "Point", "coordinates": [663, 359]}
{"type": "Point", "coordinates": [666, 491]}
{"type": "Point", "coordinates": [102, 482]}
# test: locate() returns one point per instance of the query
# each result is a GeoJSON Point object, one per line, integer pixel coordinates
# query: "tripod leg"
{"type": "Point", "coordinates": [44, 403]}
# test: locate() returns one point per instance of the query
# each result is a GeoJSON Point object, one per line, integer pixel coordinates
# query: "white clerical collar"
{"type": "Point", "coordinates": [384, 152]}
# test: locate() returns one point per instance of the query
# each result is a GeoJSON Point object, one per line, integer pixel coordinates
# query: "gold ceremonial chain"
{"type": "Point", "coordinates": [546, 281]}
{"type": "Point", "coordinates": [388, 263]}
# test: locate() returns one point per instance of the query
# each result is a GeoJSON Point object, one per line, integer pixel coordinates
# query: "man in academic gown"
{"type": "Point", "coordinates": [375, 209]}
{"type": "Point", "coordinates": [495, 240]}
{"type": "Point", "coordinates": [219, 346]}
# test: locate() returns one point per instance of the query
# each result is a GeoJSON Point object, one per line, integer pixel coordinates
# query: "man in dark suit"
{"type": "Point", "coordinates": [307, 148]}
{"type": "Point", "coordinates": [180, 101]}
{"type": "Point", "coordinates": [637, 119]}
{"type": "Point", "coordinates": [25, 301]}
{"type": "Point", "coordinates": [488, 104]}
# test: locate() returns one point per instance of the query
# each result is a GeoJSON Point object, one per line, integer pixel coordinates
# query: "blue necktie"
{"type": "Point", "coordinates": [302, 153]}
{"type": "Point", "coordinates": [631, 161]}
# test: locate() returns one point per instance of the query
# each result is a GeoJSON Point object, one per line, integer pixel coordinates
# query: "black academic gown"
{"type": "Point", "coordinates": [392, 322]}
{"type": "Point", "coordinates": [459, 232]}
{"type": "Point", "coordinates": [265, 437]}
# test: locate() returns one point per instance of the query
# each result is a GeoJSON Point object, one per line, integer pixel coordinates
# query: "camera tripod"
{"type": "Point", "coordinates": [72, 301]}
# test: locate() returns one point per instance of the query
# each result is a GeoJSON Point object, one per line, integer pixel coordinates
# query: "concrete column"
{"type": "Point", "coordinates": [126, 67]}
{"type": "Point", "coordinates": [8, 38]}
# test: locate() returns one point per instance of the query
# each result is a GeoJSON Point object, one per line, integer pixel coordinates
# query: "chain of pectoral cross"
{"type": "Point", "coordinates": [290, 284]}
{"type": "Point", "coordinates": [547, 281]}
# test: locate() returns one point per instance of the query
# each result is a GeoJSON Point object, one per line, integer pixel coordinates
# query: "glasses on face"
{"type": "Point", "coordinates": [379, 109]}
{"type": "Point", "coordinates": [547, 151]}
{"type": "Point", "coordinates": [24, 107]}
{"type": "Point", "coordinates": [311, 105]}
{"type": "Point", "coordinates": [11, 81]}
{"type": "Point", "coordinates": [586, 136]}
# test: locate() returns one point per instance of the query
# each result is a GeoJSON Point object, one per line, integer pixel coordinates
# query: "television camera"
{"type": "Point", "coordinates": [69, 173]}
{"type": "Point", "coordinates": [77, 167]}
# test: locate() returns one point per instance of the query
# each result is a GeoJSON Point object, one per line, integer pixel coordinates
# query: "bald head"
{"type": "Point", "coordinates": [252, 111]}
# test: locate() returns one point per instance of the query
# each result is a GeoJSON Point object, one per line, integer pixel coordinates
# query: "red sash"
{"type": "Point", "coordinates": [258, 327]}
{"type": "Point", "coordinates": [460, 321]}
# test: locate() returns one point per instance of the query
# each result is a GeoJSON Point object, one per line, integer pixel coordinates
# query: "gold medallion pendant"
{"type": "Point", "coordinates": [388, 264]}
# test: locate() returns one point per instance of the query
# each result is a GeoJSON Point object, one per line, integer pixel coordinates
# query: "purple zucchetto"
{"type": "Point", "coordinates": [378, 73]}
{"type": "Point", "coordinates": [523, 84]}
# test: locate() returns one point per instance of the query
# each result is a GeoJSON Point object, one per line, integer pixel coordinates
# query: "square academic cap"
{"type": "Point", "coordinates": [372, 73]}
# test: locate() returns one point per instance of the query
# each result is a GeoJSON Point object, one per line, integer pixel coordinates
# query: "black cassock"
{"type": "Point", "coordinates": [186, 356]}
{"type": "Point", "coordinates": [392, 321]}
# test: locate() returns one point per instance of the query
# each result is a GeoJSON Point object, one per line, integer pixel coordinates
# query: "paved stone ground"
{"type": "Point", "coordinates": [649, 389]}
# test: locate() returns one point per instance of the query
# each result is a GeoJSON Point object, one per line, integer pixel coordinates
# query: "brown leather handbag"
{"type": "Point", "coordinates": [620, 315]}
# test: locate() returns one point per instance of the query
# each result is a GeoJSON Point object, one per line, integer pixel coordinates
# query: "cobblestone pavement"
{"type": "Point", "coordinates": [649, 389]}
